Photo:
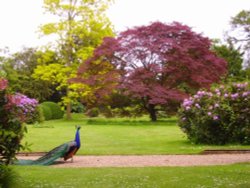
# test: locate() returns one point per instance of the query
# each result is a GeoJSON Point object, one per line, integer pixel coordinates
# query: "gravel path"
{"type": "Point", "coordinates": [150, 160]}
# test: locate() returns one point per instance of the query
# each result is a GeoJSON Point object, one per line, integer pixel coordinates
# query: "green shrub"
{"type": "Point", "coordinates": [46, 111]}
{"type": "Point", "coordinates": [8, 177]}
{"type": "Point", "coordinates": [93, 112]}
{"type": "Point", "coordinates": [129, 111]}
{"type": "Point", "coordinates": [56, 111]}
{"type": "Point", "coordinates": [77, 107]}
{"type": "Point", "coordinates": [41, 117]}
{"type": "Point", "coordinates": [219, 116]}
{"type": "Point", "coordinates": [106, 111]}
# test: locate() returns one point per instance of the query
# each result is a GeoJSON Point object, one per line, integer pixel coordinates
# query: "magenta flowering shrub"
{"type": "Point", "coordinates": [3, 84]}
{"type": "Point", "coordinates": [14, 111]}
{"type": "Point", "coordinates": [23, 108]}
{"type": "Point", "coordinates": [218, 116]}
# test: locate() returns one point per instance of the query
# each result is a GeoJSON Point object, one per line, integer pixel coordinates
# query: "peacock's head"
{"type": "Point", "coordinates": [78, 127]}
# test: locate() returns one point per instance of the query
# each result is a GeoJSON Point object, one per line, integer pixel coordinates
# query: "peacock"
{"type": "Point", "coordinates": [65, 151]}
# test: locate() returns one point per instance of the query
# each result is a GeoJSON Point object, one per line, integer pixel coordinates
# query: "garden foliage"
{"type": "Point", "coordinates": [157, 64]}
{"type": "Point", "coordinates": [8, 177]}
{"type": "Point", "coordinates": [218, 116]}
{"type": "Point", "coordinates": [15, 109]}
{"type": "Point", "coordinates": [51, 110]}
{"type": "Point", "coordinates": [93, 112]}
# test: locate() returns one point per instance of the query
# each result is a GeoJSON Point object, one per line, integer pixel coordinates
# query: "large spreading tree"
{"type": "Point", "coordinates": [159, 63]}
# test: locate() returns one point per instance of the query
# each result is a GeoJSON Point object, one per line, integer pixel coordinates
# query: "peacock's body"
{"type": "Point", "coordinates": [65, 151]}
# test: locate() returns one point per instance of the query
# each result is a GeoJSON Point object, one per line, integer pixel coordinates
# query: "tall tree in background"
{"type": "Point", "coordinates": [159, 63]}
{"type": "Point", "coordinates": [80, 28]}
{"type": "Point", "coordinates": [240, 33]}
{"type": "Point", "coordinates": [233, 57]}
{"type": "Point", "coordinates": [18, 68]}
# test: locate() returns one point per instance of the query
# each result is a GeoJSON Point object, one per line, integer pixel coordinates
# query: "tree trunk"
{"type": "Point", "coordinates": [68, 111]}
{"type": "Point", "coordinates": [152, 112]}
{"type": "Point", "coordinates": [68, 107]}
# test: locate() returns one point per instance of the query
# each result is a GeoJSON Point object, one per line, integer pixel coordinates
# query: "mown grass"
{"type": "Point", "coordinates": [124, 136]}
{"type": "Point", "coordinates": [234, 176]}
{"type": "Point", "coordinates": [102, 136]}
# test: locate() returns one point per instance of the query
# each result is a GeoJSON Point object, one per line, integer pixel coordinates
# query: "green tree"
{"type": "Point", "coordinates": [234, 59]}
{"type": "Point", "coordinates": [241, 23]}
{"type": "Point", "coordinates": [240, 33]}
{"type": "Point", "coordinates": [19, 67]}
{"type": "Point", "coordinates": [80, 28]}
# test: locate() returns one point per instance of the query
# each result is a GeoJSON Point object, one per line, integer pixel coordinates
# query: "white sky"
{"type": "Point", "coordinates": [20, 19]}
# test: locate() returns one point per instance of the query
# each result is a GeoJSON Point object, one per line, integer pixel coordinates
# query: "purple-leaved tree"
{"type": "Point", "coordinates": [160, 62]}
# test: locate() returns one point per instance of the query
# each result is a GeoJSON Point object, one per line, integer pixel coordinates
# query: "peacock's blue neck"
{"type": "Point", "coordinates": [77, 138]}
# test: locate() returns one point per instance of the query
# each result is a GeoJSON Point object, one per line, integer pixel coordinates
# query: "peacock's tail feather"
{"type": "Point", "coordinates": [47, 159]}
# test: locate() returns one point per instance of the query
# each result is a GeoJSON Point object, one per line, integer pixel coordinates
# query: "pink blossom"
{"type": "Point", "coordinates": [217, 90]}
{"type": "Point", "coordinates": [241, 86]}
{"type": "Point", "coordinates": [216, 105]}
{"type": "Point", "coordinates": [215, 117]}
{"type": "Point", "coordinates": [218, 93]}
{"type": "Point", "coordinates": [246, 93]}
{"type": "Point", "coordinates": [187, 102]}
{"type": "Point", "coordinates": [197, 105]}
{"type": "Point", "coordinates": [3, 84]}
{"type": "Point", "coordinates": [222, 87]}
{"type": "Point", "coordinates": [234, 96]}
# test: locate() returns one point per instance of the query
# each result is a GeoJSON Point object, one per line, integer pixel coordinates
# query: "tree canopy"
{"type": "Point", "coordinates": [241, 23]}
{"type": "Point", "coordinates": [240, 33]}
{"type": "Point", "coordinates": [234, 58]}
{"type": "Point", "coordinates": [19, 67]}
{"type": "Point", "coordinates": [160, 62]}
{"type": "Point", "coordinates": [80, 28]}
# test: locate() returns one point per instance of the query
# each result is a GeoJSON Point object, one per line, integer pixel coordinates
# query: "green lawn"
{"type": "Point", "coordinates": [101, 136]}
{"type": "Point", "coordinates": [234, 176]}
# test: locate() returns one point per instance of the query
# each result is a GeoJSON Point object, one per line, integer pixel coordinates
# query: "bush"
{"type": "Point", "coordinates": [106, 111]}
{"type": "Point", "coordinates": [55, 109]}
{"type": "Point", "coordinates": [93, 112]}
{"type": "Point", "coordinates": [77, 107]}
{"type": "Point", "coordinates": [41, 114]}
{"type": "Point", "coordinates": [129, 111]}
{"type": "Point", "coordinates": [24, 108]}
{"type": "Point", "coordinates": [8, 177]}
{"type": "Point", "coordinates": [15, 110]}
{"type": "Point", "coordinates": [46, 112]}
{"type": "Point", "coordinates": [219, 116]}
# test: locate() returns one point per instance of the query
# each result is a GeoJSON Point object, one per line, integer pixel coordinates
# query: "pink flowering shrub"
{"type": "Point", "coordinates": [3, 84]}
{"type": "Point", "coordinates": [14, 111]}
{"type": "Point", "coordinates": [218, 116]}
{"type": "Point", "coordinates": [23, 108]}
